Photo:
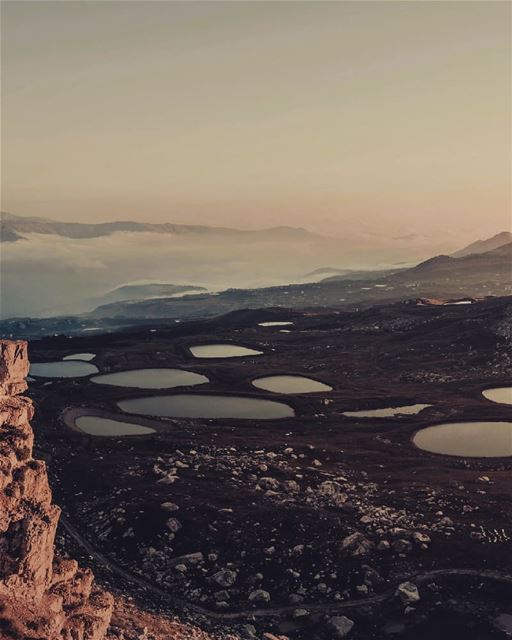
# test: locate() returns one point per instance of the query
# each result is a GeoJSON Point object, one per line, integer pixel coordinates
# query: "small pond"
{"type": "Point", "coordinates": [290, 384]}
{"type": "Point", "coordinates": [274, 324]}
{"type": "Point", "coordinates": [98, 426]}
{"type": "Point", "coordinates": [62, 369]}
{"type": "Point", "coordinates": [206, 406]}
{"type": "Point", "coordinates": [222, 351]}
{"type": "Point", "coordinates": [151, 378]}
{"type": "Point", "coordinates": [473, 439]}
{"type": "Point", "coordinates": [503, 395]}
{"type": "Point", "coordinates": [388, 412]}
{"type": "Point", "coordinates": [80, 356]}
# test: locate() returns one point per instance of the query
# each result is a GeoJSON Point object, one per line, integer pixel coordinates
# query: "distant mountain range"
{"type": "Point", "coordinates": [14, 227]}
{"type": "Point", "coordinates": [493, 265]}
{"type": "Point", "coordinates": [470, 267]}
{"type": "Point", "coordinates": [475, 275]}
{"type": "Point", "coordinates": [52, 268]}
{"type": "Point", "coordinates": [430, 266]}
{"type": "Point", "coordinates": [482, 246]}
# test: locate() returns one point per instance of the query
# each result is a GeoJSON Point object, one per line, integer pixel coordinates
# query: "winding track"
{"type": "Point", "coordinates": [247, 615]}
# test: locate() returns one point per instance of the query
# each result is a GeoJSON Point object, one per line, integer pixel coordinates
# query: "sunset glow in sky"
{"type": "Point", "coordinates": [391, 117]}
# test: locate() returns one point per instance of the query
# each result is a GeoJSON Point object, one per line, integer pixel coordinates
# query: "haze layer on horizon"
{"type": "Point", "coordinates": [379, 117]}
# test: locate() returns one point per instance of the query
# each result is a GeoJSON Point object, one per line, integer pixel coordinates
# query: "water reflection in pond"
{"type": "Point", "coordinates": [206, 406]}
{"type": "Point", "coordinates": [222, 351]}
{"type": "Point", "coordinates": [98, 426]}
{"type": "Point", "coordinates": [80, 356]}
{"type": "Point", "coordinates": [475, 439]}
{"type": "Point", "coordinates": [62, 369]}
{"type": "Point", "coordinates": [388, 412]}
{"type": "Point", "coordinates": [503, 395]}
{"type": "Point", "coordinates": [151, 378]}
{"type": "Point", "coordinates": [290, 384]}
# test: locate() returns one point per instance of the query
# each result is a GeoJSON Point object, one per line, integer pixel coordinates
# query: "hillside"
{"type": "Point", "coordinates": [442, 277]}
{"type": "Point", "coordinates": [439, 277]}
{"type": "Point", "coordinates": [145, 291]}
{"type": "Point", "coordinates": [493, 265]}
{"type": "Point", "coordinates": [482, 246]}
{"type": "Point", "coordinates": [361, 275]}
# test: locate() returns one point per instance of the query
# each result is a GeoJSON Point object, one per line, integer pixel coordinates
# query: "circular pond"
{"type": "Point", "coordinates": [472, 439]}
{"type": "Point", "coordinates": [503, 395]}
{"type": "Point", "coordinates": [222, 351]}
{"type": "Point", "coordinates": [151, 378]}
{"type": "Point", "coordinates": [206, 406]}
{"type": "Point", "coordinates": [80, 356]}
{"type": "Point", "coordinates": [290, 384]}
{"type": "Point", "coordinates": [98, 426]}
{"type": "Point", "coordinates": [62, 369]}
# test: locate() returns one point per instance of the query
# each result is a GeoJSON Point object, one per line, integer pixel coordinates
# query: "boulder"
{"type": "Point", "coordinates": [259, 596]}
{"type": "Point", "coordinates": [356, 545]}
{"type": "Point", "coordinates": [408, 593]}
{"type": "Point", "coordinates": [173, 525]}
{"type": "Point", "coordinates": [225, 577]}
{"type": "Point", "coordinates": [341, 626]}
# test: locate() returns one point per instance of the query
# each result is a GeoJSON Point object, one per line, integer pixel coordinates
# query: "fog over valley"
{"type": "Point", "coordinates": [49, 273]}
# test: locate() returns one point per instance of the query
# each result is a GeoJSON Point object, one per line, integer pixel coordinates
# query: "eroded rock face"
{"type": "Point", "coordinates": [41, 595]}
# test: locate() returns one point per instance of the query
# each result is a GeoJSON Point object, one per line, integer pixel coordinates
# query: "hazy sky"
{"type": "Point", "coordinates": [388, 116]}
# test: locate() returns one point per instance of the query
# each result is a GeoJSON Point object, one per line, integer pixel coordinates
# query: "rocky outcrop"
{"type": "Point", "coordinates": [42, 596]}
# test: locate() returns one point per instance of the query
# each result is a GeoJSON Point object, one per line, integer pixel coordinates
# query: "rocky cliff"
{"type": "Point", "coordinates": [42, 596]}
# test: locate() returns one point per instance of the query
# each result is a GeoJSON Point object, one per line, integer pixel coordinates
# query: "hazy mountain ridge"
{"type": "Point", "coordinates": [12, 225]}
{"type": "Point", "coordinates": [441, 276]}
{"type": "Point", "coordinates": [496, 263]}
{"type": "Point", "coordinates": [51, 268]}
{"type": "Point", "coordinates": [482, 246]}
{"type": "Point", "coordinates": [49, 275]}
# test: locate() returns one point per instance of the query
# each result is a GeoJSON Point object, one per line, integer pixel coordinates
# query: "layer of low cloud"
{"type": "Point", "coordinates": [47, 275]}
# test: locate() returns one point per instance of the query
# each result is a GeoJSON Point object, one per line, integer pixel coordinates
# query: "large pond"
{"type": "Point", "coordinates": [206, 406]}
{"type": "Point", "coordinates": [80, 356]}
{"type": "Point", "coordinates": [151, 378]}
{"type": "Point", "coordinates": [290, 384]}
{"type": "Point", "coordinates": [98, 426]}
{"type": "Point", "coordinates": [222, 351]}
{"type": "Point", "coordinates": [503, 395]}
{"type": "Point", "coordinates": [473, 439]}
{"type": "Point", "coordinates": [388, 412]}
{"type": "Point", "coordinates": [62, 369]}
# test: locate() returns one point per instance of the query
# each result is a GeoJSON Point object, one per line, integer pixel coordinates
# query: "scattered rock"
{"type": "Point", "coordinates": [341, 626]}
{"type": "Point", "coordinates": [225, 577]}
{"type": "Point", "coordinates": [169, 506]}
{"type": "Point", "coordinates": [173, 525]}
{"type": "Point", "coordinates": [408, 593]}
{"type": "Point", "coordinates": [260, 596]}
{"type": "Point", "coordinates": [356, 545]}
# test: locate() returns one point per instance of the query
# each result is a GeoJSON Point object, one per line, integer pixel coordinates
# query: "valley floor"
{"type": "Point", "coordinates": [284, 526]}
